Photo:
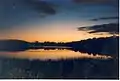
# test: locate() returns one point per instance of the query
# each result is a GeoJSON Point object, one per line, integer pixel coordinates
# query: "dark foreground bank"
{"type": "Point", "coordinates": [62, 69]}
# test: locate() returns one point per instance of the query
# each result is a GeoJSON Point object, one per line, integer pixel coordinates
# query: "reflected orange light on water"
{"type": "Point", "coordinates": [51, 54]}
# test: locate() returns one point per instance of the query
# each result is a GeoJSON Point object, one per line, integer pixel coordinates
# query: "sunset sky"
{"type": "Point", "coordinates": [54, 20]}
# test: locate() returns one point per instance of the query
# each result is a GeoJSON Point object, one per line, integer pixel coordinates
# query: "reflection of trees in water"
{"type": "Point", "coordinates": [104, 45]}
{"type": "Point", "coordinates": [79, 68]}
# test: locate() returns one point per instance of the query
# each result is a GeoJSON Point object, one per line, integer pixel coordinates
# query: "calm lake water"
{"type": "Point", "coordinates": [56, 54]}
{"type": "Point", "coordinates": [57, 64]}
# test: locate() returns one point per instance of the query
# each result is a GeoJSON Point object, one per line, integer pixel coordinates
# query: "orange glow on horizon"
{"type": "Point", "coordinates": [53, 34]}
{"type": "Point", "coordinates": [64, 37]}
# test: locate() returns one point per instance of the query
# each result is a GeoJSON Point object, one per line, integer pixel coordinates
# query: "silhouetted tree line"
{"type": "Point", "coordinates": [103, 45]}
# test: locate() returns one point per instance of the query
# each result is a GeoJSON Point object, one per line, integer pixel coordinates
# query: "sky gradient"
{"type": "Point", "coordinates": [54, 20]}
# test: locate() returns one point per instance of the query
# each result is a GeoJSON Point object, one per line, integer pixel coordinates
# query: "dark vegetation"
{"type": "Point", "coordinates": [103, 45]}
{"type": "Point", "coordinates": [108, 45]}
{"type": "Point", "coordinates": [61, 69]}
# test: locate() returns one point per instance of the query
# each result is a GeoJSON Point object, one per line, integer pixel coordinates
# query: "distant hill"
{"type": "Point", "coordinates": [13, 45]}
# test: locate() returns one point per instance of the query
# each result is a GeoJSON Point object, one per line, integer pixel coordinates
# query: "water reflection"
{"type": "Point", "coordinates": [59, 64]}
{"type": "Point", "coordinates": [51, 54]}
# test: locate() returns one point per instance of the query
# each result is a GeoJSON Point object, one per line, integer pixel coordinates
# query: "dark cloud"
{"type": "Point", "coordinates": [40, 6]}
{"type": "Point", "coordinates": [88, 1]}
{"type": "Point", "coordinates": [114, 3]}
{"type": "Point", "coordinates": [105, 18]}
{"type": "Point", "coordinates": [110, 28]}
{"type": "Point", "coordinates": [15, 12]}
{"type": "Point", "coordinates": [94, 1]}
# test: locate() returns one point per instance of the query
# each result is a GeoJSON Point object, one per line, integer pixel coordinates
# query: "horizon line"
{"type": "Point", "coordinates": [52, 41]}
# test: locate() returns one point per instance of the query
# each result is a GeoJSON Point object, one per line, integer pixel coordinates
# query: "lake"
{"type": "Point", "coordinates": [51, 54]}
{"type": "Point", "coordinates": [57, 64]}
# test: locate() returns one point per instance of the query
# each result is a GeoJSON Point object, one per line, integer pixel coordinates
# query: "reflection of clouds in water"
{"type": "Point", "coordinates": [52, 55]}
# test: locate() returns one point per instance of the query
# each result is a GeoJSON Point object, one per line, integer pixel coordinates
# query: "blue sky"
{"type": "Point", "coordinates": [42, 16]}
